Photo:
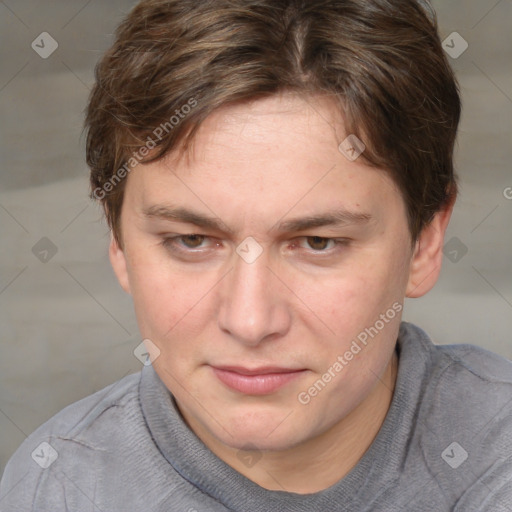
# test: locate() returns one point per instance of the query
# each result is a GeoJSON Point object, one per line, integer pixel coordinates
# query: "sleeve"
{"type": "Point", "coordinates": [31, 481]}
{"type": "Point", "coordinates": [49, 473]}
{"type": "Point", "coordinates": [63, 464]}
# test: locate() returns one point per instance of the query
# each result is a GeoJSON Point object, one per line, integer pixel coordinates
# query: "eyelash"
{"type": "Point", "coordinates": [170, 244]}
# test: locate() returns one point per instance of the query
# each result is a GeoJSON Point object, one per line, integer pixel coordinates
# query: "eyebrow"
{"type": "Point", "coordinates": [334, 218]}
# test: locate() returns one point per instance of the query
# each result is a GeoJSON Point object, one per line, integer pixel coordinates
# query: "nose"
{"type": "Point", "coordinates": [252, 306]}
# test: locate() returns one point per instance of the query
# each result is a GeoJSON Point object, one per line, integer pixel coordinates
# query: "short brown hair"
{"type": "Point", "coordinates": [382, 60]}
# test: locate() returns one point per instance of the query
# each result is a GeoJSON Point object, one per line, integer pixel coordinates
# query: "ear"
{"type": "Point", "coordinates": [118, 262]}
{"type": "Point", "coordinates": [428, 254]}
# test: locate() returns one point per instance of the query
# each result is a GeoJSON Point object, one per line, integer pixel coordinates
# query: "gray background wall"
{"type": "Point", "coordinates": [67, 329]}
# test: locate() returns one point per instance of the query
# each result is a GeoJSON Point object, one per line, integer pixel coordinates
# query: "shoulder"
{"type": "Point", "coordinates": [80, 419]}
{"type": "Point", "coordinates": [470, 392]}
{"type": "Point", "coordinates": [479, 362]}
{"type": "Point", "coordinates": [464, 382]}
{"type": "Point", "coordinates": [463, 420]}
{"type": "Point", "coordinates": [70, 441]}
{"type": "Point", "coordinates": [459, 361]}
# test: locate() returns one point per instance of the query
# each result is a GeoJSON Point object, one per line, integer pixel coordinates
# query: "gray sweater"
{"type": "Point", "coordinates": [445, 445]}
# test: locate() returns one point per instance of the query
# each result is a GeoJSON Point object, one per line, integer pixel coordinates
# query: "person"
{"type": "Point", "coordinates": [278, 176]}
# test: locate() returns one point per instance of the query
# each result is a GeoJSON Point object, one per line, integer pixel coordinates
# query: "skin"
{"type": "Point", "coordinates": [300, 304]}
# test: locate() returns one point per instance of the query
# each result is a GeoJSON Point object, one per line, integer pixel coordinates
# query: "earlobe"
{"type": "Point", "coordinates": [118, 262]}
{"type": "Point", "coordinates": [428, 254]}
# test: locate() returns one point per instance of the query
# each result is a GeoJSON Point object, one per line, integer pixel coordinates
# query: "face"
{"type": "Point", "coordinates": [253, 307]}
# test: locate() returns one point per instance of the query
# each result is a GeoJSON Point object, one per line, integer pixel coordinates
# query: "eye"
{"type": "Point", "coordinates": [192, 241]}
{"type": "Point", "coordinates": [318, 243]}
{"type": "Point", "coordinates": [194, 244]}
{"type": "Point", "coordinates": [184, 243]}
{"type": "Point", "coordinates": [322, 244]}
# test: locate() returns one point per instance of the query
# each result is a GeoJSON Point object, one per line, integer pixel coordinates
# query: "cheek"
{"type": "Point", "coordinates": [159, 296]}
{"type": "Point", "coordinates": [354, 295]}
{"type": "Point", "coordinates": [355, 300]}
{"type": "Point", "coordinates": [171, 305]}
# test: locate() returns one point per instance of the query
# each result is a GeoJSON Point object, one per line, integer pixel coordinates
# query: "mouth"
{"type": "Point", "coordinates": [256, 381]}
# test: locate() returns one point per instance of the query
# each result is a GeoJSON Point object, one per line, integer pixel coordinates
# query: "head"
{"type": "Point", "coordinates": [242, 112]}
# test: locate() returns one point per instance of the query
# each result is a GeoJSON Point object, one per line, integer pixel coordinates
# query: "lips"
{"type": "Point", "coordinates": [256, 381]}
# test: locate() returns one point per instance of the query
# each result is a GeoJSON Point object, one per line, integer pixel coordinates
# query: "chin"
{"type": "Point", "coordinates": [248, 441]}
{"type": "Point", "coordinates": [267, 430]}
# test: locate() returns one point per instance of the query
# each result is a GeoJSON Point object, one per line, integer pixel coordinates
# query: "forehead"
{"type": "Point", "coordinates": [269, 128]}
{"type": "Point", "coordinates": [278, 155]}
